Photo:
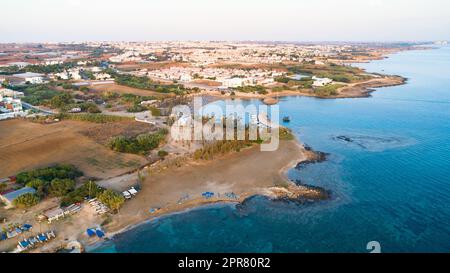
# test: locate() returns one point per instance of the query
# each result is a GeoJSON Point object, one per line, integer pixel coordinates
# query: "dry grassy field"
{"type": "Point", "coordinates": [25, 145]}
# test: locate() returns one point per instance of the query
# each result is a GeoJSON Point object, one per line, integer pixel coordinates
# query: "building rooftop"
{"type": "Point", "coordinates": [13, 195]}
{"type": "Point", "coordinates": [28, 75]}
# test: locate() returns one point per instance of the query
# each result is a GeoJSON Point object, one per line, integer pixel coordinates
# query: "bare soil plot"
{"type": "Point", "coordinates": [25, 145]}
{"type": "Point", "coordinates": [103, 132]}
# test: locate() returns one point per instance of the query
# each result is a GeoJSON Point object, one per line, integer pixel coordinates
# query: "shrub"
{"type": "Point", "coordinates": [97, 118]}
{"type": "Point", "coordinates": [39, 186]}
{"type": "Point", "coordinates": [138, 145]}
{"type": "Point", "coordinates": [60, 187]}
{"type": "Point", "coordinates": [155, 111]}
{"type": "Point", "coordinates": [111, 199]}
{"type": "Point", "coordinates": [162, 153]}
{"type": "Point", "coordinates": [61, 100]}
{"type": "Point", "coordinates": [88, 189]}
{"type": "Point", "coordinates": [48, 174]}
{"type": "Point", "coordinates": [38, 94]}
{"type": "Point", "coordinates": [27, 200]}
{"type": "Point", "coordinates": [136, 108]}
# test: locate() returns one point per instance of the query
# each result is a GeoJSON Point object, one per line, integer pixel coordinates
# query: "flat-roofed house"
{"type": "Point", "coordinates": [54, 214]}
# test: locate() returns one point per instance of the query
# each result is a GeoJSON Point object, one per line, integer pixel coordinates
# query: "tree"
{"type": "Point", "coordinates": [162, 153]}
{"type": "Point", "coordinates": [60, 187]}
{"type": "Point", "coordinates": [92, 108]}
{"type": "Point", "coordinates": [111, 199]}
{"type": "Point", "coordinates": [27, 200]}
{"type": "Point", "coordinates": [38, 185]}
{"type": "Point", "coordinates": [61, 100]}
{"type": "Point", "coordinates": [3, 186]}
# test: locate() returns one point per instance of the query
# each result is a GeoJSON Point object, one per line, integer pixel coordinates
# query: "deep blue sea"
{"type": "Point", "coordinates": [389, 174]}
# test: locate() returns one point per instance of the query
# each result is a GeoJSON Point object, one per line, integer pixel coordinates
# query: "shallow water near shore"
{"type": "Point", "coordinates": [388, 171]}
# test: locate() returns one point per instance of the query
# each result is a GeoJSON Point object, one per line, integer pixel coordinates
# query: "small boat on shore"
{"type": "Point", "coordinates": [286, 119]}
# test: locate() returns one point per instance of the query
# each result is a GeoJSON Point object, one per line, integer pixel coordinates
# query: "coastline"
{"type": "Point", "coordinates": [283, 189]}
{"type": "Point", "coordinates": [354, 90]}
{"type": "Point", "coordinates": [307, 156]}
{"type": "Point", "coordinates": [362, 89]}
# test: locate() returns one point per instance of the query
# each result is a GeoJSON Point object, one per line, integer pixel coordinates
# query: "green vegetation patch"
{"type": "Point", "coordinates": [37, 94]}
{"type": "Point", "coordinates": [96, 118]}
{"type": "Point", "coordinates": [27, 200]}
{"type": "Point", "coordinates": [137, 145]}
{"type": "Point", "coordinates": [338, 73]}
{"type": "Point", "coordinates": [327, 90]}
{"type": "Point", "coordinates": [252, 89]}
{"type": "Point", "coordinates": [147, 84]}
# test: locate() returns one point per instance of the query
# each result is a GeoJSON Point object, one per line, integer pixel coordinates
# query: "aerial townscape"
{"type": "Point", "coordinates": [91, 121]}
{"type": "Point", "coordinates": [221, 135]}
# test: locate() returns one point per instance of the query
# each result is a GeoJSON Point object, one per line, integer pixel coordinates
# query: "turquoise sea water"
{"type": "Point", "coordinates": [389, 174]}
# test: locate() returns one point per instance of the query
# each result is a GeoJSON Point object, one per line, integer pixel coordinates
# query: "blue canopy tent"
{"type": "Point", "coordinates": [99, 233]}
{"type": "Point", "coordinates": [27, 227]}
{"type": "Point", "coordinates": [90, 232]}
{"type": "Point", "coordinates": [24, 243]}
{"type": "Point", "coordinates": [42, 237]}
{"type": "Point", "coordinates": [208, 194]}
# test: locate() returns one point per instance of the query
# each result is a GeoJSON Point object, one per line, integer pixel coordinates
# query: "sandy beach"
{"type": "Point", "coordinates": [232, 178]}
{"type": "Point", "coordinates": [245, 173]}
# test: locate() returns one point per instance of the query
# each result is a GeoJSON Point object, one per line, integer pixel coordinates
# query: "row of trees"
{"type": "Point", "coordinates": [210, 150]}
{"type": "Point", "coordinates": [252, 89]}
{"type": "Point", "coordinates": [58, 181]}
{"type": "Point", "coordinates": [48, 174]}
{"type": "Point", "coordinates": [44, 69]}
{"type": "Point", "coordinates": [92, 117]}
{"type": "Point", "coordinates": [148, 84]}
{"type": "Point", "coordinates": [37, 94]}
{"type": "Point", "coordinates": [55, 181]}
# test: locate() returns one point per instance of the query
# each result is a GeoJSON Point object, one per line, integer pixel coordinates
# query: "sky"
{"type": "Point", "coordinates": [262, 20]}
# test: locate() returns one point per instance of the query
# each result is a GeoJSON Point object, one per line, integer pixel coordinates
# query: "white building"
{"type": "Point", "coordinates": [73, 74]}
{"type": "Point", "coordinates": [19, 64]}
{"type": "Point", "coordinates": [185, 78]}
{"type": "Point", "coordinates": [33, 78]}
{"type": "Point", "coordinates": [319, 82]}
{"type": "Point", "coordinates": [102, 76]}
{"type": "Point", "coordinates": [233, 82]}
{"type": "Point", "coordinates": [4, 92]}
{"type": "Point", "coordinates": [10, 105]}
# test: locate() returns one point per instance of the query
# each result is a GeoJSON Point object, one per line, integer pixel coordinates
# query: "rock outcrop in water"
{"type": "Point", "coordinates": [298, 193]}
{"type": "Point", "coordinates": [313, 157]}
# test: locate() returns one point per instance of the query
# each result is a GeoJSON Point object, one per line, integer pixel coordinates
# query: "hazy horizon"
{"type": "Point", "coordinates": [225, 20]}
